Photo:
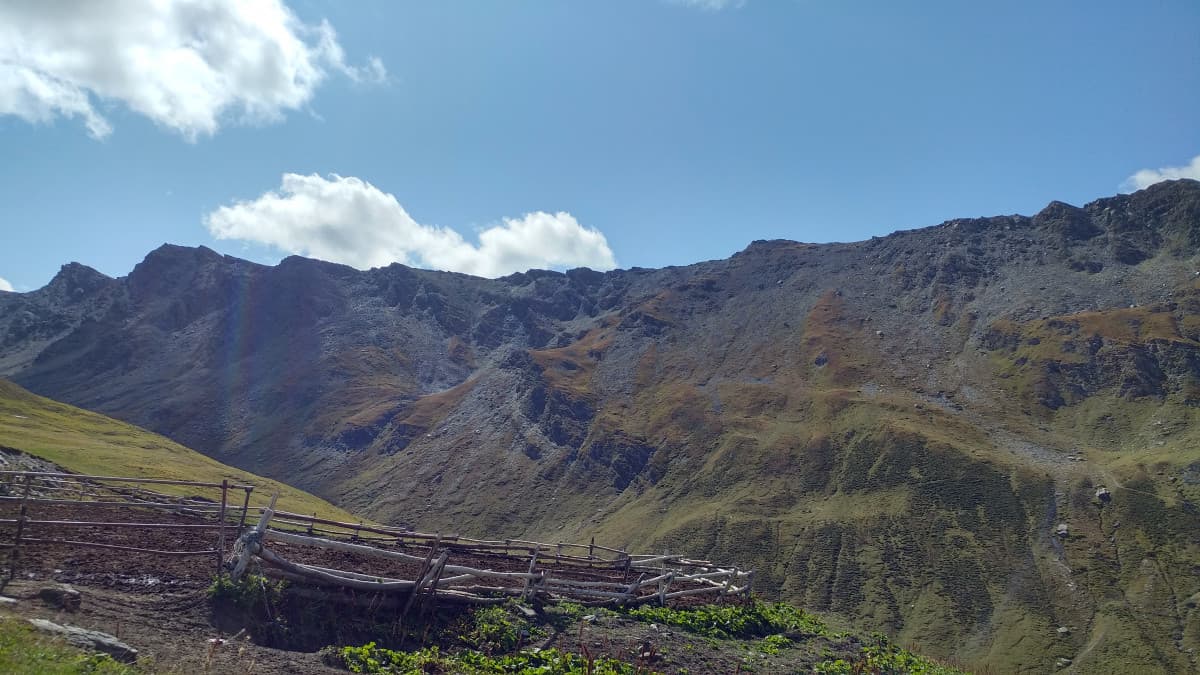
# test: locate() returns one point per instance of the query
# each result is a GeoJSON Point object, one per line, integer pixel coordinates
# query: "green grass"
{"type": "Point", "coordinates": [24, 651]}
{"type": "Point", "coordinates": [375, 660]}
{"type": "Point", "coordinates": [884, 658]}
{"type": "Point", "coordinates": [753, 620]}
{"type": "Point", "coordinates": [89, 443]}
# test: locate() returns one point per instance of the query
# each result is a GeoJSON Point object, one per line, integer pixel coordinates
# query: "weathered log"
{"type": "Point", "coordinates": [377, 601]}
{"type": "Point", "coordinates": [251, 542]}
{"type": "Point", "coordinates": [705, 575]}
{"type": "Point", "coordinates": [117, 504]}
{"type": "Point", "coordinates": [692, 591]}
{"type": "Point", "coordinates": [114, 479]}
{"type": "Point", "coordinates": [575, 592]}
{"type": "Point", "coordinates": [114, 547]}
{"type": "Point", "coordinates": [527, 589]}
{"type": "Point", "coordinates": [358, 584]}
{"type": "Point", "coordinates": [301, 540]}
{"type": "Point", "coordinates": [144, 526]}
{"type": "Point", "coordinates": [663, 585]}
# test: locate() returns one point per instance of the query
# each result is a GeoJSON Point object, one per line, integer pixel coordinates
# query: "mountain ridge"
{"type": "Point", "coordinates": [887, 429]}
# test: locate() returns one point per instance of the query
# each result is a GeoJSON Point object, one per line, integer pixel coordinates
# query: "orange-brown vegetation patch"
{"type": "Point", "coordinates": [831, 344]}
{"type": "Point", "coordinates": [429, 410]}
{"type": "Point", "coordinates": [569, 369]}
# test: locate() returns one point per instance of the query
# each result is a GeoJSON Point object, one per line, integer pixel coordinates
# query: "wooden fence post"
{"type": "Point", "coordinates": [221, 524]}
{"type": "Point", "coordinates": [22, 516]}
{"type": "Point", "coordinates": [253, 540]}
{"type": "Point", "coordinates": [631, 591]}
{"type": "Point", "coordinates": [529, 588]}
{"type": "Point", "coordinates": [245, 508]}
{"type": "Point", "coordinates": [439, 567]}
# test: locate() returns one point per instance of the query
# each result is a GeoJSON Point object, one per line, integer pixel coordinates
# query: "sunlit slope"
{"type": "Point", "coordinates": [88, 443]}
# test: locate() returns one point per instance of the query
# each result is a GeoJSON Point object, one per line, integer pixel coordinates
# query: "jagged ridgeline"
{"type": "Point", "coordinates": [910, 432]}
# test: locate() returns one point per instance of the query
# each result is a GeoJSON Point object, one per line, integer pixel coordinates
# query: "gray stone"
{"type": "Point", "coordinates": [62, 596]}
{"type": "Point", "coordinates": [89, 639]}
{"type": "Point", "coordinates": [527, 612]}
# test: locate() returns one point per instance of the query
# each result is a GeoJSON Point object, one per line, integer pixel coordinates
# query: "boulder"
{"type": "Point", "coordinates": [61, 596]}
{"type": "Point", "coordinates": [89, 639]}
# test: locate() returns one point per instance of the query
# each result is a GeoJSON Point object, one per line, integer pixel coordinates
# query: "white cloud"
{"type": "Point", "coordinates": [347, 220]}
{"type": "Point", "coordinates": [710, 5]}
{"type": "Point", "coordinates": [189, 65]}
{"type": "Point", "coordinates": [5, 286]}
{"type": "Point", "coordinates": [1148, 177]}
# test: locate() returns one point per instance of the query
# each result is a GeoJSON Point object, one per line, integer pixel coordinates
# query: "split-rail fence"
{"type": "Point", "coordinates": [399, 562]}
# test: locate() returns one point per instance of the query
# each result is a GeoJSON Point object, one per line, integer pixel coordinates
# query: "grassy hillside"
{"type": "Point", "coordinates": [88, 443]}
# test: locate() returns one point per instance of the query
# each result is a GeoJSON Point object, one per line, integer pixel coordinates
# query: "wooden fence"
{"type": "Point", "coordinates": [208, 506]}
{"type": "Point", "coordinates": [440, 566]}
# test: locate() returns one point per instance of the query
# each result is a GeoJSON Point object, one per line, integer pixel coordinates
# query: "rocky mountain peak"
{"type": "Point", "coordinates": [1066, 221]}
{"type": "Point", "coordinates": [75, 280]}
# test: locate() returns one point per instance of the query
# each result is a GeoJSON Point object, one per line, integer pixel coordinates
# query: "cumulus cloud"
{"type": "Point", "coordinates": [189, 65]}
{"type": "Point", "coordinates": [1148, 177]}
{"type": "Point", "coordinates": [347, 220]}
{"type": "Point", "coordinates": [5, 286]}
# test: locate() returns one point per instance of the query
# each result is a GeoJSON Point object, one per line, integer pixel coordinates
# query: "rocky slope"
{"type": "Point", "coordinates": [909, 431]}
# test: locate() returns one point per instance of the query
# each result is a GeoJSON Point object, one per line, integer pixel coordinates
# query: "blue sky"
{"type": "Point", "coordinates": [491, 136]}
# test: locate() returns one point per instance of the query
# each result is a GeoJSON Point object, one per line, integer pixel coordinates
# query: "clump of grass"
{"type": "Point", "coordinates": [884, 658]}
{"type": "Point", "coordinates": [753, 620]}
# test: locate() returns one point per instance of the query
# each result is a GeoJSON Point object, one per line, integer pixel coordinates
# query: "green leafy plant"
{"type": "Point", "coordinates": [258, 597]}
{"type": "Point", "coordinates": [250, 592]}
{"type": "Point", "coordinates": [495, 629]}
{"type": "Point", "coordinates": [756, 619]}
{"type": "Point", "coordinates": [772, 644]}
{"type": "Point", "coordinates": [372, 660]}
